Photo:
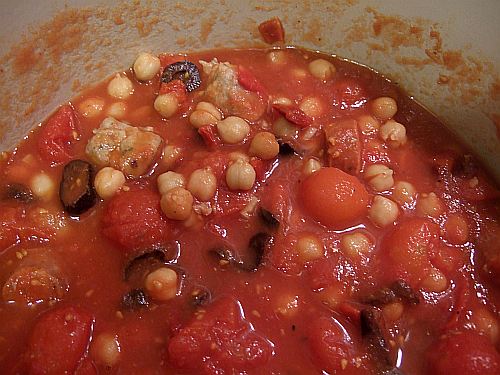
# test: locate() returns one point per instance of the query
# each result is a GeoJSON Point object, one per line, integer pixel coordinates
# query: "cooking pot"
{"type": "Point", "coordinates": [446, 54]}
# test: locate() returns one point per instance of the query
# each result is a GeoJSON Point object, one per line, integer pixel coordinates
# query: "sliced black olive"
{"type": "Point", "coordinates": [17, 192]}
{"type": "Point", "coordinates": [381, 297]}
{"type": "Point", "coordinates": [185, 71]}
{"type": "Point", "coordinates": [201, 297]}
{"type": "Point", "coordinates": [257, 247]}
{"type": "Point", "coordinates": [256, 250]}
{"type": "Point", "coordinates": [285, 149]}
{"type": "Point", "coordinates": [371, 331]}
{"type": "Point", "coordinates": [143, 261]}
{"type": "Point", "coordinates": [135, 299]}
{"type": "Point", "coordinates": [399, 290]}
{"type": "Point", "coordinates": [224, 254]}
{"type": "Point", "coordinates": [268, 219]}
{"type": "Point", "coordinates": [393, 371]}
{"type": "Point", "coordinates": [405, 292]}
{"type": "Point", "coordinates": [76, 190]}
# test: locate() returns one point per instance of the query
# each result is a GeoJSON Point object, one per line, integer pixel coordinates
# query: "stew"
{"type": "Point", "coordinates": [254, 211]}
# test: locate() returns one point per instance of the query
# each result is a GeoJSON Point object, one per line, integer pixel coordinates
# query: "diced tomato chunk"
{"type": "Point", "coordinates": [87, 367]}
{"type": "Point", "coordinates": [294, 115]}
{"type": "Point", "coordinates": [133, 219]}
{"type": "Point", "coordinates": [8, 237]}
{"type": "Point", "coordinates": [463, 353]}
{"type": "Point", "coordinates": [175, 87]}
{"type": "Point", "coordinates": [57, 135]}
{"type": "Point", "coordinates": [409, 248]}
{"type": "Point", "coordinates": [272, 31]}
{"type": "Point", "coordinates": [249, 82]}
{"type": "Point", "coordinates": [219, 342]}
{"type": "Point", "coordinates": [334, 198]}
{"type": "Point", "coordinates": [59, 341]}
{"type": "Point", "coordinates": [209, 136]}
{"type": "Point", "coordinates": [332, 347]}
{"type": "Point", "coordinates": [261, 168]}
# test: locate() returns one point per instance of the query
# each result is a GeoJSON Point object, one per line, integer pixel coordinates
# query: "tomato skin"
{"type": "Point", "coordinates": [330, 345]}
{"type": "Point", "coordinates": [463, 353]}
{"type": "Point", "coordinates": [237, 346]}
{"type": "Point", "coordinates": [57, 135]}
{"type": "Point", "coordinates": [59, 341]}
{"type": "Point", "coordinates": [272, 31]}
{"type": "Point", "coordinates": [409, 247]}
{"type": "Point", "coordinates": [133, 219]}
{"type": "Point", "coordinates": [334, 198]}
{"type": "Point", "coordinates": [248, 81]}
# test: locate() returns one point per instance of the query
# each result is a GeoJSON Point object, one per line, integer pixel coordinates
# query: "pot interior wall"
{"type": "Point", "coordinates": [446, 55]}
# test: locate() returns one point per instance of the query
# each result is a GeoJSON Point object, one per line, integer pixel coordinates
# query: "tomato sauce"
{"type": "Point", "coordinates": [304, 272]}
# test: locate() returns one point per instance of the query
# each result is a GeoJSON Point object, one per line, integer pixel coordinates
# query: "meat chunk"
{"type": "Point", "coordinates": [344, 145]}
{"type": "Point", "coordinates": [225, 92]}
{"type": "Point", "coordinates": [130, 149]}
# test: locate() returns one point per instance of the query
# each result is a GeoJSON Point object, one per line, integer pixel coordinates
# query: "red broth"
{"type": "Point", "coordinates": [302, 272]}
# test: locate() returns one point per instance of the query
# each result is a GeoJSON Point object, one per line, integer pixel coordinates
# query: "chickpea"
{"type": "Point", "coordinates": [277, 57]}
{"type": "Point", "coordinates": [332, 296]}
{"type": "Point", "coordinates": [120, 87]}
{"type": "Point", "coordinates": [170, 180]}
{"type": "Point", "coordinates": [162, 284]}
{"type": "Point", "coordinates": [310, 166]}
{"type": "Point", "coordinates": [298, 74]}
{"type": "Point", "coordinates": [201, 118]}
{"type": "Point", "coordinates": [204, 114]}
{"type": "Point", "coordinates": [486, 323]}
{"type": "Point", "coordinates": [240, 176]}
{"type": "Point", "coordinates": [456, 229]}
{"type": "Point", "coordinates": [393, 311]}
{"type": "Point", "coordinates": [404, 193]}
{"type": "Point", "coordinates": [91, 107]}
{"type": "Point", "coordinates": [108, 181]}
{"type": "Point", "coordinates": [236, 155]}
{"type": "Point", "coordinates": [146, 66]}
{"type": "Point", "coordinates": [105, 349]}
{"type": "Point", "coordinates": [117, 110]}
{"type": "Point", "coordinates": [282, 128]}
{"type": "Point", "coordinates": [309, 248]}
{"type": "Point", "coordinates": [177, 203]}
{"type": "Point", "coordinates": [264, 146]}
{"type": "Point", "coordinates": [355, 245]}
{"type": "Point", "coordinates": [429, 205]}
{"type": "Point", "coordinates": [368, 125]}
{"type": "Point", "coordinates": [393, 133]}
{"type": "Point", "coordinates": [171, 156]}
{"type": "Point", "coordinates": [233, 129]}
{"type": "Point", "coordinates": [202, 184]}
{"type": "Point", "coordinates": [379, 177]}
{"type": "Point", "coordinates": [287, 305]}
{"type": "Point", "coordinates": [435, 281]}
{"type": "Point", "coordinates": [322, 69]}
{"type": "Point", "coordinates": [384, 108]}
{"type": "Point", "coordinates": [42, 186]}
{"type": "Point", "coordinates": [383, 211]}
{"type": "Point", "coordinates": [311, 106]}
{"type": "Point", "coordinates": [282, 100]}
{"type": "Point", "coordinates": [166, 105]}
{"type": "Point", "coordinates": [210, 108]}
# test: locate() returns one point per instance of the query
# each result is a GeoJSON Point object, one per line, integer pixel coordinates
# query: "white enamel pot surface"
{"type": "Point", "coordinates": [444, 53]}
